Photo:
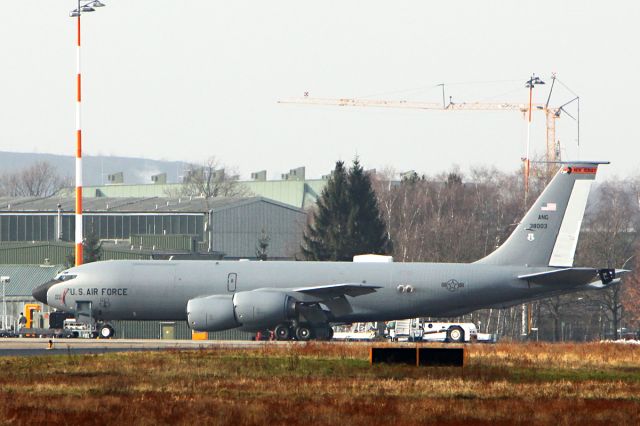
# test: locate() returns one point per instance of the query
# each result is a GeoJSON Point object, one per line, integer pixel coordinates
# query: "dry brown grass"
{"type": "Point", "coordinates": [326, 384]}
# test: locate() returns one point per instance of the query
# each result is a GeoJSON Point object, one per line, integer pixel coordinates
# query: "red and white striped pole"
{"type": "Point", "coordinates": [78, 239]}
{"type": "Point", "coordinates": [88, 7]}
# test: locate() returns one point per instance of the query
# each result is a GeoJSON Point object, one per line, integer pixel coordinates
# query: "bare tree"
{"type": "Point", "coordinates": [38, 180]}
{"type": "Point", "coordinates": [453, 218]}
{"type": "Point", "coordinates": [608, 240]}
{"type": "Point", "coordinates": [212, 179]}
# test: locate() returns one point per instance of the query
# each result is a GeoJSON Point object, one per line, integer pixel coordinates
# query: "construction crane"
{"type": "Point", "coordinates": [551, 114]}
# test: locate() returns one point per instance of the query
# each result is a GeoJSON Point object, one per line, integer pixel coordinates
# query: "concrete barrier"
{"type": "Point", "coordinates": [418, 356]}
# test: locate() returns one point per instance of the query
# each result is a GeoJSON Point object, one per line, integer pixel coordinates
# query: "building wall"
{"type": "Point", "coordinates": [42, 226]}
{"type": "Point", "coordinates": [236, 230]}
{"type": "Point", "coordinates": [152, 330]}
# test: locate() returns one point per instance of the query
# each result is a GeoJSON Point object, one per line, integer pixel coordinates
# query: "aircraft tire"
{"type": "Point", "coordinates": [323, 333]}
{"type": "Point", "coordinates": [329, 333]}
{"type": "Point", "coordinates": [282, 332]}
{"type": "Point", "coordinates": [455, 334]}
{"type": "Point", "coordinates": [107, 331]}
{"type": "Point", "coordinates": [303, 333]}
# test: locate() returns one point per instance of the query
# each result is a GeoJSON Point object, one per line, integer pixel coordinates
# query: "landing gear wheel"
{"type": "Point", "coordinates": [303, 333]}
{"type": "Point", "coordinates": [282, 332]}
{"type": "Point", "coordinates": [455, 334]}
{"type": "Point", "coordinates": [107, 332]}
{"type": "Point", "coordinates": [329, 334]}
{"type": "Point", "coordinates": [323, 333]}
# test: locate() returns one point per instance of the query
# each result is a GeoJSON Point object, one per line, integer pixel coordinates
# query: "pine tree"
{"type": "Point", "coordinates": [347, 221]}
{"type": "Point", "coordinates": [325, 237]}
{"type": "Point", "coordinates": [366, 229]}
{"type": "Point", "coordinates": [91, 250]}
{"type": "Point", "coordinates": [263, 245]}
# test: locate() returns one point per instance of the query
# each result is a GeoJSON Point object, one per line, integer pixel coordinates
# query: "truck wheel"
{"type": "Point", "coordinates": [107, 332]}
{"type": "Point", "coordinates": [455, 334]}
{"type": "Point", "coordinates": [282, 332]}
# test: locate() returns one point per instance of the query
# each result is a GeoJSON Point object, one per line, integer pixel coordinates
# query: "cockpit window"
{"type": "Point", "coordinates": [65, 277]}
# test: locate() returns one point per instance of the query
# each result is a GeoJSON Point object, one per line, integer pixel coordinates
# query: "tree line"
{"type": "Point", "coordinates": [41, 179]}
{"type": "Point", "coordinates": [457, 217]}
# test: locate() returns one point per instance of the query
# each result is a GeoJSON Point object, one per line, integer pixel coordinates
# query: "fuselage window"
{"type": "Point", "coordinates": [66, 277]}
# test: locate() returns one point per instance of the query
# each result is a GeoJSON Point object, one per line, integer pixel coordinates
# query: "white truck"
{"type": "Point", "coordinates": [362, 331]}
{"type": "Point", "coordinates": [416, 330]}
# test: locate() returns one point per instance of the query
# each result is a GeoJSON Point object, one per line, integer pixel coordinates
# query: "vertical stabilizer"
{"type": "Point", "coordinates": [548, 234]}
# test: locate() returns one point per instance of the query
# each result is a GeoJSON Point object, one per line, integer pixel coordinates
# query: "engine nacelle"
{"type": "Point", "coordinates": [251, 310]}
{"type": "Point", "coordinates": [260, 309]}
{"type": "Point", "coordinates": [212, 313]}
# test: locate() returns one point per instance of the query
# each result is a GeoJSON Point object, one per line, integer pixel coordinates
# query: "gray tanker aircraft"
{"type": "Point", "coordinates": [300, 300]}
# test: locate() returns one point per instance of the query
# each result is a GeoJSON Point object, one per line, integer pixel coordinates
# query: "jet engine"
{"type": "Point", "coordinates": [211, 313]}
{"type": "Point", "coordinates": [251, 310]}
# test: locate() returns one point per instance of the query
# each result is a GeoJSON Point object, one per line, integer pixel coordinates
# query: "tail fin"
{"type": "Point", "coordinates": [548, 234]}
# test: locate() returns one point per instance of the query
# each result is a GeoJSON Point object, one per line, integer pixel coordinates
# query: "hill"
{"type": "Point", "coordinates": [96, 168]}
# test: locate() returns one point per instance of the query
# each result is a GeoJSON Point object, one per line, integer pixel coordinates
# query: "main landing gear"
{"type": "Point", "coordinates": [302, 332]}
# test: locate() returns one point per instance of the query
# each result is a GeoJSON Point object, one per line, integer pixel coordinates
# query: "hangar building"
{"type": "Point", "coordinates": [230, 227]}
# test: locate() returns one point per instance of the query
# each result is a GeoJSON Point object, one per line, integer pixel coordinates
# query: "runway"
{"type": "Point", "coordinates": [40, 346]}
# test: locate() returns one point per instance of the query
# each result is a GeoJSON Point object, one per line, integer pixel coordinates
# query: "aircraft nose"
{"type": "Point", "coordinates": [40, 293]}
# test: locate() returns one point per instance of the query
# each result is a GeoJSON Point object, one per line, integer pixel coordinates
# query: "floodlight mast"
{"type": "Point", "coordinates": [533, 81]}
{"type": "Point", "coordinates": [76, 13]}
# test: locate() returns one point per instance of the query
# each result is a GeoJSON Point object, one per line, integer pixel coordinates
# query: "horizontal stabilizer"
{"type": "Point", "coordinates": [599, 285]}
{"type": "Point", "coordinates": [575, 276]}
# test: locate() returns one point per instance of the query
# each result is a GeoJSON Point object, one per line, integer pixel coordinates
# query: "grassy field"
{"type": "Point", "coordinates": [327, 384]}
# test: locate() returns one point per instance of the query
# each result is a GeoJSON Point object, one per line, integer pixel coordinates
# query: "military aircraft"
{"type": "Point", "coordinates": [300, 300]}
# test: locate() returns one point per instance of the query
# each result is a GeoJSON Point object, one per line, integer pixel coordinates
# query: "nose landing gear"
{"type": "Point", "coordinates": [106, 331]}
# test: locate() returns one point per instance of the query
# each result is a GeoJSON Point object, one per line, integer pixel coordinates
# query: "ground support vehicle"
{"type": "Point", "coordinates": [416, 329]}
{"type": "Point", "coordinates": [7, 333]}
{"type": "Point", "coordinates": [362, 331]}
{"type": "Point", "coordinates": [70, 329]}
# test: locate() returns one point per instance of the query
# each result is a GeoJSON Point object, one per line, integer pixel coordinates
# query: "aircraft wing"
{"type": "Point", "coordinates": [576, 276]}
{"type": "Point", "coordinates": [320, 302]}
{"type": "Point", "coordinates": [336, 290]}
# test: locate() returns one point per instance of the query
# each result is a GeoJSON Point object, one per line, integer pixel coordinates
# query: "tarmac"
{"type": "Point", "coordinates": [41, 346]}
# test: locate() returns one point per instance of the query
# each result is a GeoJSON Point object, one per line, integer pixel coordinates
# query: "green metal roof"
{"type": "Point", "coordinates": [24, 278]}
{"type": "Point", "coordinates": [301, 194]}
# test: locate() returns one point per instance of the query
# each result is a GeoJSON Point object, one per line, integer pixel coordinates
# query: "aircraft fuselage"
{"type": "Point", "coordinates": [160, 290]}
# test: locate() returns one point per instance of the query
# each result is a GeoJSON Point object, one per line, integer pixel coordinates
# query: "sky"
{"type": "Point", "coordinates": [186, 80]}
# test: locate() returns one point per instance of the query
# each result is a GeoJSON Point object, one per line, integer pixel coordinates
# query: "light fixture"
{"type": "Point", "coordinates": [533, 81]}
